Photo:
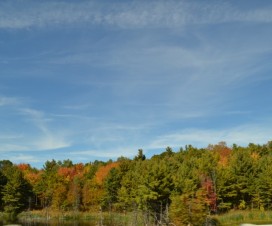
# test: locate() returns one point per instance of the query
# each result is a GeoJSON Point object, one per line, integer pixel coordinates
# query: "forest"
{"type": "Point", "coordinates": [180, 187]}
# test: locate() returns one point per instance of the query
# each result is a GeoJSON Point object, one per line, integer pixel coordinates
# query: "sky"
{"type": "Point", "coordinates": [96, 80]}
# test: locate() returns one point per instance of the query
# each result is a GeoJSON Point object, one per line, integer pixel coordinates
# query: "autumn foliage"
{"type": "Point", "coordinates": [103, 171]}
{"type": "Point", "coordinates": [186, 185]}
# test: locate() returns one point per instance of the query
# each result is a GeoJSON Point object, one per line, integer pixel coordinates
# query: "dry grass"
{"type": "Point", "coordinates": [234, 218]}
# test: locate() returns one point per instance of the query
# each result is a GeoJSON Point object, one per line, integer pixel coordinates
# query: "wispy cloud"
{"type": "Point", "coordinates": [47, 140]}
{"type": "Point", "coordinates": [241, 135]}
{"type": "Point", "coordinates": [23, 158]}
{"type": "Point", "coordinates": [137, 73]}
{"type": "Point", "coordinates": [36, 135]}
{"type": "Point", "coordinates": [51, 143]}
{"type": "Point", "coordinates": [4, 101]}
{"type": "Point", "coordinates": [9, 136]}
{"type": "Point", "coordinates": [115, 153]}
{"type": "Point", "coordinates": [38, 118]}
{"type": "Point", "coordinates": [7, 147]}
{"type": "Point", "coordinates": [17, 14]}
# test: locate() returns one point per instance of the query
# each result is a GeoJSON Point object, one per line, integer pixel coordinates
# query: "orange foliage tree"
{"type": "Point", "coordinates": [103, 172]}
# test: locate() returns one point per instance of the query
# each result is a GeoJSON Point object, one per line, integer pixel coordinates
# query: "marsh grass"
{"type": "Point", "coordinates": [234, 218]}
{"type": "Point", "coordinates": [96, 218]}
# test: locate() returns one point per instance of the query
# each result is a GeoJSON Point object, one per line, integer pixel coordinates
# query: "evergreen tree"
{"type": "Point", "coordinates": [153, 187]}
{"type": "Point", "coordinates": [48, 181]}
{"type": "Point", "coordinates": [3, 181]}
{"type": "Point", "coordinates": [112, 185]}
{"type": "Point", "coordinates": [140, 155]}
{"type": "Point", "coordinates": [16, 192]}
{"type": "Point", "coordinates": [264, 197]}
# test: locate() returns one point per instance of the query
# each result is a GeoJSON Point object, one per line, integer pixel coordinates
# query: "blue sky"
{"type": "Point", "coordinates": [89, 80]}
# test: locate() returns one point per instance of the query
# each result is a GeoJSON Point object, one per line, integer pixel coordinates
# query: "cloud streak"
{"type": "Point", "coordinates": [8, 101]}
{"type": "Point", "coordinates": [35, 133]}
{"type": "Point", "coordinates": [241, 135]}
{"type": "Point", "coordinates": [125, 15]}
{"type": "Point", "coordinates": [47, 140]}
{"type": "Point", "coordinates": [20, 158]}
{"type": "Point", "coordinates": [101, 77]}
{"type": "Point", "coordinates": [113, 154]}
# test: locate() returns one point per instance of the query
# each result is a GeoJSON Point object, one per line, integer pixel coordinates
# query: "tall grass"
{"type": "Point", "coordinates": [232, 218]}
{"type": "Point", "coordinates": [95, 218]}
{"type": "Point", "coordinates": [235, 218]}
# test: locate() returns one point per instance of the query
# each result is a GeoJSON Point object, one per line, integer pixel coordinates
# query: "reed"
{"type": "Point", "coordinates": [235, 218]}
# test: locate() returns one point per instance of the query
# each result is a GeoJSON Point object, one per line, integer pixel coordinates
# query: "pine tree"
{"type": "Point", "coordinates": [16, 192]}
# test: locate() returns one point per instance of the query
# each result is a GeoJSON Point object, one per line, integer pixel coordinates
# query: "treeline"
{"type": "Point", "coordinates": [182, 187]}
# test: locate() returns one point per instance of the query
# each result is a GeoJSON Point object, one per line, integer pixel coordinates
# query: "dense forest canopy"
{"type": "Point", "coordinates": [172, 184]}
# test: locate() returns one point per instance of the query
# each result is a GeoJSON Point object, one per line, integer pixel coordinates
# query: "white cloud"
{"type": "Point", "coordinates": [6, 147]}
{"type": "Point", "coordinates": [27, 129]}
{"type": "Point", "coordinates": [159, 80]}
{"type": "Point", "coordinates": [38, 118]}
{"type": "Point", "coordinates": [48, 139]}
{"type": "Point", "coordinates": [32, 142]}
{"type": "Point", "coordinates": [50, 143]}
{"type": "Point", "coordinates": [23, 158]}
{"type": "Point", "coordinates": [7, 101]}
{"type": "Point", "coordinates": [241, 135]}
{"type": "Point", "coordinates": [115, 153]}
{"type": "Point", "coordinates": [17, 14]}
{"type": "Point", "coordinates": [36, 133]}
{"type": "Point", "coordinates": [10, 136]}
